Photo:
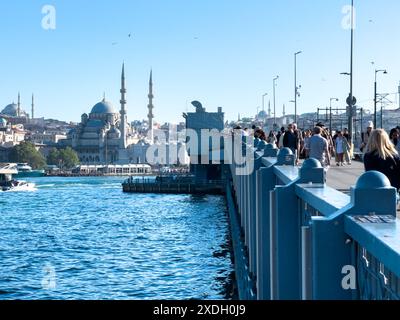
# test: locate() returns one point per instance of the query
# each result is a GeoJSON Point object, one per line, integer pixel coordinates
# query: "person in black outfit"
{"type": "Point", "coordinates": [382, 156]}
{"type": "Point", "coordinates": [291, 140]}
{"type": "Point", "coordinates": [278, 136]}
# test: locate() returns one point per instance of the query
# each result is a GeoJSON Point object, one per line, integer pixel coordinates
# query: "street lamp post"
{"type": "Point", "coordinates": [295, 85]}
{"type": "Point", "coordinates": [330, 112]}
{"type": "Point", "coordinates": [375, 94]}
{"type": "Point", "coordinates": [274, 85]}
{"type": "Point", "coordinates": [351, 97]}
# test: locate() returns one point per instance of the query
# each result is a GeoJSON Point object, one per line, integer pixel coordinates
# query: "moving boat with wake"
{"type": "Point", "coordinates": [8, 183]}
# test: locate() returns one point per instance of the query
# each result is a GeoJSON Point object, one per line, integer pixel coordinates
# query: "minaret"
{"type": "Point", "coordinates": [123, 127]}
{"type": "Point", "coordinates": [19, 105]}
{"type": "Point", "coordinates": [151, 107]}
{"type": "Point", "coordinates": [33, 106]}
{"type": "Point", "coordinates": [284, 110]}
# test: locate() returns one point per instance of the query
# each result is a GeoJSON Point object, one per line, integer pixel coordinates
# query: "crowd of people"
{"type": "Point", "coordinates": [317, 143]}
{"type": "Point", "coordinates": [379, 150]}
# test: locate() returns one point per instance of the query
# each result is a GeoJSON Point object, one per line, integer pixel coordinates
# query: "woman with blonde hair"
{"type": "Point", "coordinates": [381, 155]}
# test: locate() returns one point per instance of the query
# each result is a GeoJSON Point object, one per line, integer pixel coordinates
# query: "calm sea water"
{"type": "Point", "coordinates": [82, 238]}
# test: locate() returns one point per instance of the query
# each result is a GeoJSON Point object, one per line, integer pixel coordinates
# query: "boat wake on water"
{"type": "Point", "coordinates": [22, 186]}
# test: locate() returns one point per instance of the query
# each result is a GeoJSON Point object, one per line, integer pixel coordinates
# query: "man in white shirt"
{"type": "Point", "coordinates": [319, 147]}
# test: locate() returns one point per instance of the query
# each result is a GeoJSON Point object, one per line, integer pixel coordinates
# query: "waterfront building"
{"type": "Point", "coordinates": [113, 170]}
{"type": "Point", "coordinates": [10, 135]}
{"type": "Point", "coordinates": [46, 137]}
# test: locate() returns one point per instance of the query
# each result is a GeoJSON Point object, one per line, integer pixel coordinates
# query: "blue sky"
{"type": "Point", "coordinates": [220, 52]}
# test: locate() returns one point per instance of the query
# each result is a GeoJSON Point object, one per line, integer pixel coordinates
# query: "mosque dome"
{"type": "Point", "coordinates": [10, 110]}
{"type": "Point", "coordinates": [103, 107]}
{"type": "Point", "coordinates": [262, 114]}
{"type": "Point", "coordinates": [115, 132]}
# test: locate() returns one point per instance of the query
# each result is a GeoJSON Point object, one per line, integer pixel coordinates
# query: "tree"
{"type": "Point", "coordinates": [69, 158]}
{"type": "Point", "coordinates": [26, 153]}
{"type": "Point", "coordinates": [53, 157]}
{"type": "Point", "coordinates": [65, 158]}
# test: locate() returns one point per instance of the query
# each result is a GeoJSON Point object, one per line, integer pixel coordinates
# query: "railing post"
{"type": "Point", "coordinates": [273, 247]}
{"type": "Point", "coordinates": [245, 209]}
{"type": "Point", "coordinates": [241, 200]}
{"type": "Point", "coordinates": [264, 183]}
{"type": "Point", "coordinates": [253, 214]}
{"type": "Point", "coordinates": [306, 258]}
{"type": "Point", "coordinates": [287, 230]}
{"type": "Point", "coordinates": [247, 203]}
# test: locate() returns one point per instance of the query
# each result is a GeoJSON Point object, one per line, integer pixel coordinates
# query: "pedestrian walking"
{"type": "Point", "coordinates": [382, 156]}
{"type": "Point", "coordinates": [341, 147]}
{"type": "Point", "coordinates": [319, 147]}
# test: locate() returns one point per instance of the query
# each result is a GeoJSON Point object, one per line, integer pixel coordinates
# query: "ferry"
{"type": "Point", "coordinates": [25, 171]}
{"type": "Point", "coordinates": [8, 183]}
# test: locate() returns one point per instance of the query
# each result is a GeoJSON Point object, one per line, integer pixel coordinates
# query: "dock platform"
{"type": "Point", "coordinates": [174, 185]}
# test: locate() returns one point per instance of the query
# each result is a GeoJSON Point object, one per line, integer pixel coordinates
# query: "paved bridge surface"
{"type": "Point", "coordinates": [342, 178]}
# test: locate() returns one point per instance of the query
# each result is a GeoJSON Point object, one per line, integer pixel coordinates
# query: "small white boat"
{"type": "Point", "coordinates": [7, 183]}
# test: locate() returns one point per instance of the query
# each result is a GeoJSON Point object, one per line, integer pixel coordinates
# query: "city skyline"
{"type": "Point", "coordinates": [197, 51]}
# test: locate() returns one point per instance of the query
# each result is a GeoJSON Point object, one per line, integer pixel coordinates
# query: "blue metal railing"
{"type": "Point", "coordinates": [300, 237]}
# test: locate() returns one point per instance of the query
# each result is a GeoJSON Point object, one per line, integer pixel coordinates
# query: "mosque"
{"type": "Point", "coordinates": [14, 114]}
{"type": "Point", "coordinates": [12, 121]}
{"type": "Point", "coordinates": [104, 136]}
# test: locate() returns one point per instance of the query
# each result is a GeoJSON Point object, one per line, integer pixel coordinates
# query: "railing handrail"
{"type": "Point", "coordinates": [324, 199]}
{"type": "Point", "coordinates": [269, 161]}
{"type": "Point", "coordinates": [286, 174]}
{"type": "Point", "coordinates": [383, 242]}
